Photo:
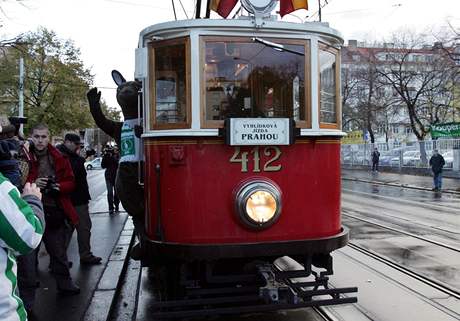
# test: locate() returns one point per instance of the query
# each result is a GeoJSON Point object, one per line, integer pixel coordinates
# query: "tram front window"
{"type": "Point", "coordinates": [328, 86]}
{"type": "Point", "coordinates": [170, 84]}
{"type": "Point", "coordinates": [243, 78]}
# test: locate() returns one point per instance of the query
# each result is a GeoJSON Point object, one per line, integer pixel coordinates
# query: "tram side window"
{"type": "Point", "coordinates": [247, 79]}
{"type": "Point", "coordinates": [328, 99]}
{"type": "Point", "coordinates": [170, 85]}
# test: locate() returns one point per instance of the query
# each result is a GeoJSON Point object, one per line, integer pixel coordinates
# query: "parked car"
{"type": "Point", "coordinates": [411, 158]}
{"type": "Point", "coordinates": [449, 158]}
{"type": "Point", "coordinates": [386, 157]}
{"type": "Point", "coordinates": [93, 164]}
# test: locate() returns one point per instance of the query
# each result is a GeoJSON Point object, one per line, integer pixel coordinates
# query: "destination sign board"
{"type": "Point", "coordinates": [259, 131]}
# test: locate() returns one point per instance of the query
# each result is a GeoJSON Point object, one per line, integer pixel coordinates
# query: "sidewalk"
{"type": "Point", "coordinates": [449, 185]}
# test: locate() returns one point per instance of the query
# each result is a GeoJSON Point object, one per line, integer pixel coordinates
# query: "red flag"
{"type": "Point", "coordinates": [223, 7]}
{"type": "Point", "coordinates": [288, 6]}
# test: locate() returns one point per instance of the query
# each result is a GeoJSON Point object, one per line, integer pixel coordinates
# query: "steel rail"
{"type": "Point", "coordinates": [404, 220]}
{"type": "Point", "coordinates": [390, 184]}
{"type": "Point", "coordinates": [404, 232]}
{"type": "Point", "coordinates": [431, 206]}
{"type": "Point", "coordinates": [428, 281]}
{"type": "Point", "coordinates": [325, 314]}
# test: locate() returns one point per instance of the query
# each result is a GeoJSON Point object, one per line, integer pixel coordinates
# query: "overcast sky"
{"type": "Point", "coordinates": [107, 31]}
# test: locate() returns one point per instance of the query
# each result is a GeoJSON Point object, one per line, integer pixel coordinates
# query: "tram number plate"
{"type": "Point", "coordinates": [274, 152]}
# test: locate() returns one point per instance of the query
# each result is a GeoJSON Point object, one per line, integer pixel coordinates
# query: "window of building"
{"type": "Point", "coordinates": [395, 129]}
{"type": "Point", "coordinates": [408, 130]}
{"type": "Point", "coordinates": [170, 84]}
{"type": "Point", "coordinates": [243, 78]}
{"type": "Point", "coordinates": [329, 102]}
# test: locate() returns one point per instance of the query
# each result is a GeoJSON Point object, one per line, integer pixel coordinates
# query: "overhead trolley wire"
{"type": "Point", "coordinates": [174, 10]}
{"type": "Point", "coordinates": [183, 9]}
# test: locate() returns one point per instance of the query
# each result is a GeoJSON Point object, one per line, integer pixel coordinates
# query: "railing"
{"type": "Point", "coordinates": [399, 155]}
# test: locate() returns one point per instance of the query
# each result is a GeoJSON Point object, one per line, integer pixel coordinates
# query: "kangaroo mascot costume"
{"type": "Point", "coordinates": [126, 135]}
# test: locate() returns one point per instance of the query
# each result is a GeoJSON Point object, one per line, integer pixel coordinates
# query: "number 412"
{"type": "Point", "coordinates": [242, 157]}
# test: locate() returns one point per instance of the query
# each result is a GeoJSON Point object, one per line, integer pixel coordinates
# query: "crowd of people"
{"type": "Point", "coordinates": [44, 197]}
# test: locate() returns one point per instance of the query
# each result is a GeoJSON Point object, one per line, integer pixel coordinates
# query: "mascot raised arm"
{"type": "Point", "coordinates": [126, 134]}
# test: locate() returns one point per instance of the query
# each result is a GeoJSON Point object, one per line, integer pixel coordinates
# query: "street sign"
{"type": "Point", "coordinates": [445, 130]}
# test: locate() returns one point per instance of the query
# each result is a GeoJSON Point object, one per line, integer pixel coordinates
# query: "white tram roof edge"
{"type": "Point", "coordinates": [173, 28]}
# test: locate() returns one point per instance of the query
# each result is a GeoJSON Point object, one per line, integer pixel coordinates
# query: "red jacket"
{"type": "Point", "coordinates": [65, 178]}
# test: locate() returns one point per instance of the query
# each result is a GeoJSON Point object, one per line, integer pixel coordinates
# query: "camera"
{"type": "Point", "coordinates": [51, 188]}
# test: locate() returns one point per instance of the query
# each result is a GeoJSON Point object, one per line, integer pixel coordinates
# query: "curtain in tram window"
{"type": "Point", "coordinates": [223, 7]}
{"type": "Point", "coordinates": [288, 6]}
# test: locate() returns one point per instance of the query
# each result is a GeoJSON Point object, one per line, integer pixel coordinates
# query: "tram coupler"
{"type": "Point", "coordinates": [275, 291]}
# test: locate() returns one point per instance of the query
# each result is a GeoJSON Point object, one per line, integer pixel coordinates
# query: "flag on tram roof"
{"type": "Point", "coordinates": [223, 7]}
{"type": "Point", "coordinates": [288, 6]}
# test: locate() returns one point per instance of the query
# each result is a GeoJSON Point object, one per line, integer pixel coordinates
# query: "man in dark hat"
{"type": "Point", "coordinates": [80, 198]}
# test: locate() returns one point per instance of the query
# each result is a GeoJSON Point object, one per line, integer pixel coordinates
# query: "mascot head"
{"type": "Point", "coordinates": [127, 95]}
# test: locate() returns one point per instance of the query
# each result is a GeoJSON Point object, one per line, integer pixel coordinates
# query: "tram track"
{"type": "Point", "coordinates": [440, 286]}
{"type": "Point", "coordinates": [436, 207]}
{"type": "Point", "coordinates": [404, 232]}
{"type": "Point", "coordinates": [446, 223]}
{"type": "Point", "coordinates": [446, 232]}
{"type": "Point", "coordinates": [398, 185]}
{"type": "Point", "coordinates": [325, 314]}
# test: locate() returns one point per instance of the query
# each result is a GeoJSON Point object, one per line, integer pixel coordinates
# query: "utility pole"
{"type": "Point", "coordinates": [21, 93]}
{"type": "Point", "coordinates": [319, 10]}
{"type": "Point", "coordinates": [198, 9]}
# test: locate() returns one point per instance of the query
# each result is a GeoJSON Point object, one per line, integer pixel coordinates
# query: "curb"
{"type": "Point", "coordinates": [448, 191]}
{"type": "Point", "coordinates": [108, 286]}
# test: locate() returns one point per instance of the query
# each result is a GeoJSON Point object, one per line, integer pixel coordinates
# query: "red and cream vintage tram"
{"type": "Point", "coordinates": [242, 162]}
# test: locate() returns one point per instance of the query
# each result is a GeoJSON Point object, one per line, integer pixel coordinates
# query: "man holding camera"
{"type": "Point", "coordinates": [52, 172]}
{"type": "Point", "coordinates": [80, 198]}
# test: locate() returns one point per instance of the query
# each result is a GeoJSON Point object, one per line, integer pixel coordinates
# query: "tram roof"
{"type": "Point", "coordinates": [169, 29]}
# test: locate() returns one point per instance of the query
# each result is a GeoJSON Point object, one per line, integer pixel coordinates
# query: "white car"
{"type": "Point", "coordinates": [411, 158]}
{"type": "Point", "coordinates": [449, 158]}
{"type": "Point", "coordinates": [94, 164]}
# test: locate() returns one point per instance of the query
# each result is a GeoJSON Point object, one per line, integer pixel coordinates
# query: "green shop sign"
{"type": "Point", "coordinates": [445, 130]}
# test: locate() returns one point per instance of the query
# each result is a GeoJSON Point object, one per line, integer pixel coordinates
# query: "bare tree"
{"type": "Point", "coordinates": [349, 85]}
{"type": "Point", "coordinates": [365, 98]}
{"type": "Point", "coordinates": [420, 76]}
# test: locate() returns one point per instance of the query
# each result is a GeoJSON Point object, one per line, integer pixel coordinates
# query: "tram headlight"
{"type": "Point", "coordinates": [258, 203]}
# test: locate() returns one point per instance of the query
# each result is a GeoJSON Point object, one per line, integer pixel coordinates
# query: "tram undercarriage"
{"type": "Point", "coordinates": [219, 285]}
{"type": "Point", "coordinates": [239, 286]}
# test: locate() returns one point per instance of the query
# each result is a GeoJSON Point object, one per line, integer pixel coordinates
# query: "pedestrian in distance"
{"type": "Point", "coordinates": [21, 231]}
{"type": "Point", "coordinates": [375, 160]}
{"type": "Point", "coordinates": [110, 163]}
{"type": "Point", "coordinates": [80, 199]}
{"type": "Point", "coordinates": [52, 172]}
{"type": "Point", "coordinates": [437, 162]}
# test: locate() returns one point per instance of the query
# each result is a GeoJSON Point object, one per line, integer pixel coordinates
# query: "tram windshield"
{"type": "Point", "coordinates": [243, 78]}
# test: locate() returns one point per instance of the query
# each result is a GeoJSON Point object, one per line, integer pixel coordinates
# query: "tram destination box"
{"type": "Point", "coordinates": [259, 131]}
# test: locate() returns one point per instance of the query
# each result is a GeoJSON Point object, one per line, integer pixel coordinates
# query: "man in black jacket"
{"type": "Point", "coordinates": [437, 162]}
{"type": "Point", "coordinates": [110, 163]}
{"type": "Point", "coordinates": [80, 198]}
{"type": "Point", "coordinates": [375, 160]}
